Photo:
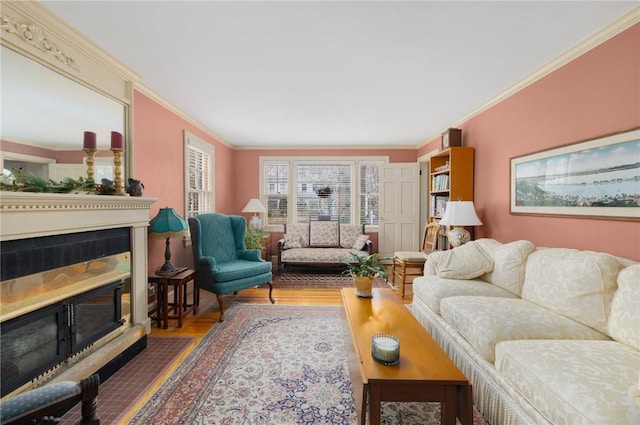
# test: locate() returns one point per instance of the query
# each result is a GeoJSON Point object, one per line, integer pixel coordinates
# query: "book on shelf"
{"type": "Point", "coordinates": [438, 203]}
{"type": "Point", "coordinates": [440, 182]}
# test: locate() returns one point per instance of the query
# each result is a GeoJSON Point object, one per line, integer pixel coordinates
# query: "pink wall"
{"type": "Point", "coordinates": [596, 94]}
{"type": "Point", "coordinates": [593, 95]}
{"type": "Point", "coordinates": [159, 158]}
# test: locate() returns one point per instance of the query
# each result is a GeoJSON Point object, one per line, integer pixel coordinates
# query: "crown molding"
{"type": "Point", "coordinates": [616, 27]}
{"type": "Point", "coordinates": [173, 108]}
{"type": "Point", "coordinates": [325, 147]}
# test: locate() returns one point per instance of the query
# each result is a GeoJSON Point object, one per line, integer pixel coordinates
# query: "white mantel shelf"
{"type": "Point", "coordinates": [26, 215]}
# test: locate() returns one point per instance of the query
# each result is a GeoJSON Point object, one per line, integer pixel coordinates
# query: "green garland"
{"type": "Point", "coordinates": [22, 181]}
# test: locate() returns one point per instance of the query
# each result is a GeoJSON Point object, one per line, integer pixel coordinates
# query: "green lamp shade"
{"type": "Point", "coordinates": [167, 224]}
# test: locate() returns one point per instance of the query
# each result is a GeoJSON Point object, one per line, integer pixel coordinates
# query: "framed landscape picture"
{"type": "Point", "coordinates": [596, 178]}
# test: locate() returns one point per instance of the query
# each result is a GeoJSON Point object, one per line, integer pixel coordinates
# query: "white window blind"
{"type": "Point", "coordinates": [369, 193]}
{"type": "Point", "coordinates": [199, 183]}
{"type": "Point", "coordinates": [323, 190]}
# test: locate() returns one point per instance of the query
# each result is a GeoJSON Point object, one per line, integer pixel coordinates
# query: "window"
{"type": "Point", "coordinates": [321, 188]}
{"type": "Point", "coordinates": [369, 193]}
{"type": "Point", "coordinates": [199, 185]}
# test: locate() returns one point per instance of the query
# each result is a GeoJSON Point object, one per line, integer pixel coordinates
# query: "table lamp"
{"type": "Point", "coordinates": [167, 224]}
{"type": "Point", "coordinates": [458, 214]}
{"type": "Point", "coordinates": [255, 206]}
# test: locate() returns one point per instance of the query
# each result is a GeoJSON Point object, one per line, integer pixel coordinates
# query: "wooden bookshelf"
{"type": "Point", "coordinates": [450, 178]}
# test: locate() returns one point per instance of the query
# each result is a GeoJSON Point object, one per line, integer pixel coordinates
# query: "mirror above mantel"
{"type": "Point", "coordinates": [55, 86]}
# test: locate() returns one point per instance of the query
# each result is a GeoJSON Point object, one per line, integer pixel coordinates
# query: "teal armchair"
{"type": "Point", "coordinates": [223, 263]}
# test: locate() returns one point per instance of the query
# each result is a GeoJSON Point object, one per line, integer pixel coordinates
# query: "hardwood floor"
{"type": "Point", "coordinates": [208, 312]}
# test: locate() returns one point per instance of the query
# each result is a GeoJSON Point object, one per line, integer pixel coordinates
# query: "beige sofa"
{"type": "Point", "coordinates": [322, 243]}
{"type": "Point", "coordinates": [546, 336]}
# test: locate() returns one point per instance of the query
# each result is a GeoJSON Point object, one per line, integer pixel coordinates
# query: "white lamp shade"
{"type": "Point", "coordinates": [460, 213]}
{"type": "Point", "coordinates": [254, 206]}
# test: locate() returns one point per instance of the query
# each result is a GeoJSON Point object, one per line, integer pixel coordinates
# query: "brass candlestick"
{"type": "Point", "coordinates": [117, 171]}
{"type": "Point", "coordinates": [89, 153]}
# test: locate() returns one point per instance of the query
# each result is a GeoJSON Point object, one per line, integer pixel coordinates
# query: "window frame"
{"type": "Point", "coordinates": [292, 183]}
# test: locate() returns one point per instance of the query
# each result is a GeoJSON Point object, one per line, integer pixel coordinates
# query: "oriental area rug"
{"type": "Point", "coordinates": [310, 278]}
{"type": "Point", "coordinates": [278, 365]}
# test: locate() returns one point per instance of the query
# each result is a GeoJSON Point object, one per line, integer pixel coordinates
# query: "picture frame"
{"type": "Point", "coordinates": [594, 178]}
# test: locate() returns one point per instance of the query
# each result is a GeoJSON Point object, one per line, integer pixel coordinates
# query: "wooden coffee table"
{"type": "Point", "coordinates": [424, 373]}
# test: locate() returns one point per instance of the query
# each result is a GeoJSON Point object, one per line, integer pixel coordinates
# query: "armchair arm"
{"type": "Point", "coordinates": [249, 254]}
{"type": "Point", "coordinates": [208, 262]}
{"type": "Point", "coordinates": [280, 245]}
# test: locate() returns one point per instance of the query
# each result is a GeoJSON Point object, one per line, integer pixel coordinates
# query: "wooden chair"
{"type": "Point", "coordinates": [411, 263]}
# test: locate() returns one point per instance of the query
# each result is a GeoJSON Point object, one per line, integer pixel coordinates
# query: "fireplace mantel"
{"type": "Point", "coordinates": [32, 215]}
{"type": "Point", "coordinates": [26, 215]}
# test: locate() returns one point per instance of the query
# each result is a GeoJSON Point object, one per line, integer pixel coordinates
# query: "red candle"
{"type": "Point", "coordinates": [116, 140]}
{"type": "Point", "coordinates": [89, 140]}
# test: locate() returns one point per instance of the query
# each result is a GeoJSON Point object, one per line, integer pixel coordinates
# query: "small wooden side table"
{"type": "Point", "coordinates": [180, 307]}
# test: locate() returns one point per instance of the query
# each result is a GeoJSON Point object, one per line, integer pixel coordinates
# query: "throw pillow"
{"type": "Point", "coordinates": [360, 242]}
{"type": "Point", "coordinates": [292, 241]}
{"type": "Point", "coordinates": [464, 262]}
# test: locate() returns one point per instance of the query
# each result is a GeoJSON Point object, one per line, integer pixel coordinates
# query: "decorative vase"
{"type": "Point", "coordinates": [363, 286]}
{"type": "Point", "coordinates": [135, 187]}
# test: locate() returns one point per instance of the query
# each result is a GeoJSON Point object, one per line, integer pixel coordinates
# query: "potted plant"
{"type": "Point", "coordinates": [255, 238]}
{"type": "Point", "coordinates": [363, 270]}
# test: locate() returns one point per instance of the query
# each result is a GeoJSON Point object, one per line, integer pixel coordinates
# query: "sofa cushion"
{"type": "Point", "coordinates": [319, 255]}
{"type": "Point", "coordinates": [239, 269]}
{"type": "Point", "coordinates": [509, 263]}
{"type": "Point", "coordinates": [292, 240]}
{"type": "Point", "coordinates": [301, 230]}
{"type": "Point", "coordinates": [360, 242]}
{"type": "Point", "coordinates": [624, 320]}
{"type": "Point", "coordinates": [432, 289]}
{"type": "Point", "coordinates": [324, 234]}
{"type": "Point", "coordinates": [486, 321]}
{"type": "Point", "coordinates": [576, 284]}
{"type": "Point", "coordinates": [464, 262]}
{"type": "Point", "coordinates": [348, 235]}
{"type": "Point", "coordinates": [573, 382]}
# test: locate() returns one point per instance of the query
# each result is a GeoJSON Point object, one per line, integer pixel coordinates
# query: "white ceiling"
{"type": "Point", "coordinates": [334, 73]}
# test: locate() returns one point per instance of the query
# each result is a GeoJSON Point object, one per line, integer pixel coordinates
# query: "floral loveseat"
{"type": "Point", "coordinates": [546, 336]}
{"type": "Point", "coordinates": [321, 243]}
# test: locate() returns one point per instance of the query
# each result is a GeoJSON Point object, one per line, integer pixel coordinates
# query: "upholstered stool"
{"type": "Point", "coordinates": [36, 406]}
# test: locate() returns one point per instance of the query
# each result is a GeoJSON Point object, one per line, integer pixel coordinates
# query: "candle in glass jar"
{"type": "Point", "coordinates": [386, 349]}
{"type": "Point", "coordinates": [116, 140]}
{"type": "Point", "coordinates": [89, 140]}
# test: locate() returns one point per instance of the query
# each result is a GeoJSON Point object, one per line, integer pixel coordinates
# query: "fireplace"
{"type": "Point", "coordinates": [73, 289]}
{"type": "Point", "coordinates": [35, 343]}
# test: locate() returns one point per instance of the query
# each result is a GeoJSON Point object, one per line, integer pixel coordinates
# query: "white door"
{"type": "Point", "coordinates": [399, 227]}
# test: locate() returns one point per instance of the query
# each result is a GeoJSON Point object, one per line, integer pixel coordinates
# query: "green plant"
{"type": "Point", "coordinates": [256, 238]}
{"type": "Point", "coordinates": [367, 266]}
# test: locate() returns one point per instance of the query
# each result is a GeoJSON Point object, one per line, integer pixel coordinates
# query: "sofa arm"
{"type": "Point", "coordinates": [280, 249]}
